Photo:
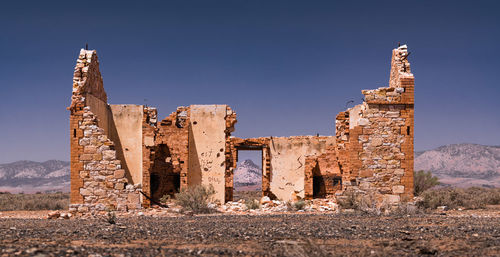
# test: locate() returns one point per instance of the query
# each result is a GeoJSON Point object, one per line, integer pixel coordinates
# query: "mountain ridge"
{"type": "Point", "coordinates": [459, 165]}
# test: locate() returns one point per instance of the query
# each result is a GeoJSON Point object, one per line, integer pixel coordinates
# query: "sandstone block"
{"type": "Point", "coordinates": [133, 201]}
{"type": "Point", "coordinates": [392, 199]}
{"type": "Point", "coordinates": [119, 173]}
{"type": "Point", "coordinates": [363, 122]}
{"type": "Point", "coordinates": [398, 189]}
{"type": "Point", "coordinates": [84, 174]}
{"type": "Point", "coordinates": [376, 141]}
{"type": "Point", "coordinates": [109, 184]}
{"type": "Point", "coordinates": [86, 157]}
{"type": "Point", "coordinates": [85, 192]}
{"type": "Point", "coordinates": [100, 192]}
{"type": "Point", "coordinates": [83, 209]}
{"type": "Point", "coordinates": [399, 171]}
{"type": "Point", "coordinates": [108, 154]}
{"type": "Point", "coordinates": [120, 186]}
{"type": "Point", "coordinates": [97, 157]}
{"type": "Point", "coordinates": [90, 149]}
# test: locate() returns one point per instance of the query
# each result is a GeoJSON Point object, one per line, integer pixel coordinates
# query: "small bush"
{"type": "Point", "coordinates": [299, 205]}
{"type": "Point", "coordinates": [423, 181]}
{"type": "Point", "coordinates": [469, 198]}
{"type": "Point", "coordinates": [296, 206]}
{"type": "Point", "coordinates": [348, 201]}
{"type": "Point", "coordinates": [404, 209]}
{"type": "Point", "coordinates": [34, 202]}
{"type": "Point", "coordinates": [164, 199]}
{"type": "Point", "coordinates": [196, 199]}
{"type": "Point", "coordinates": [252, 205]}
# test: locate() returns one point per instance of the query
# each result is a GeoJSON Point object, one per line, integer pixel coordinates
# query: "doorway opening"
{"type": "Point", "coordinates": [165, 180]}
{"type": "Point", "coordinates": [247, 177]}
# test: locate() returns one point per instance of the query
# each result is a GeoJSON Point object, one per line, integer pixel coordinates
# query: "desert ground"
{"type": "Point", "coordinates": [450, 233]}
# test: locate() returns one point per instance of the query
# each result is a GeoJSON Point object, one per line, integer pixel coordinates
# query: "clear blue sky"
{"type": "Point", "coordinates": [286, 67]}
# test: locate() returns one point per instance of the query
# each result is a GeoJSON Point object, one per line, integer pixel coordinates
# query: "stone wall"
{"type": "Point", "coordinates": [98, 179]}
{"type": "Point", "coordinates": [375, 138]}
{"type": "Point", "coordinates": [104, 184]}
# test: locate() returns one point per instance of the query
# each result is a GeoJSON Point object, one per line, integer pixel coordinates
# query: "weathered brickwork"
{"type": "Point", "coordinates": [97, 181]}
{"type": "Point", "coordinates": [375, 139]}
{"type": "Point", "coordinates": [104, 184]}
{"type": "Point", "coordinates": [371, 152]}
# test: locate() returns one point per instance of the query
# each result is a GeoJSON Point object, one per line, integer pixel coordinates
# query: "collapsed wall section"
{"type": "Point", "coordinates": [165, 153]}
{"type": "Point", "coordinates": [288, 163]}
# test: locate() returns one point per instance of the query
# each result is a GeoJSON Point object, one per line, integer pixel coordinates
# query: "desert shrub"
{"type": "Point", "coordinates": [348, 200]}
{"type": "Point", "coordinates": [165, 198]}
{"type": "Point", "coordinates": [253, 204]}
{"type": "Point", "coordinates": [299, 205]}
{"type": "Point", "coordinates": [296, 206]}
{"type": "Point", "coordinates": [196, 199]}
{"type": "Point", "coordinates": [404, 209]}
{"type": "Point", "coordinates": [423, 181]}
{"type": "Point", "coordinates": [33, 202]}
{"type": "Point", "coordinates": [468, 198]}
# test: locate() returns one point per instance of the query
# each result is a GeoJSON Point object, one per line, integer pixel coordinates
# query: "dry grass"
{"type": "Point", "coordinates": [468, 198]}
{"type": "Point", "coordinates": [34, 202]}
{"type": "Point", "coordinates": [247, 195]}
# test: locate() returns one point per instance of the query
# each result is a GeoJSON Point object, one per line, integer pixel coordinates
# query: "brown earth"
{"type": "Point", "coordinates": [456, 233]}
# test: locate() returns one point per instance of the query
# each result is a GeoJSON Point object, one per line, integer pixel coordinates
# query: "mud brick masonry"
{"type": "Point", "coordinates": [124, 158]}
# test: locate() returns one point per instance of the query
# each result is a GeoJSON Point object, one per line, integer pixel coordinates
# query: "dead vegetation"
{"type": "Point", "coordinates": [423, 181]}
{"type": "Point", "coordinates": [34, 202]}
{"type": "Point", "coordinates": [252, 204]}
{"type": "Point", "coordinates": [467, 198]}
{"type": "Point", "coordinates": [196, 199]}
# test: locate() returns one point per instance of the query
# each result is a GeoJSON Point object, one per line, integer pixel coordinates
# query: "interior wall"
{"type": "Point", "coordinates": [207, 141]}
{"type": "Point", "coordinates": [101, 110]}
{"type": "Point", "coordinates": [288, 159]}
{"type": "Point", "coordinates": [126, 133]}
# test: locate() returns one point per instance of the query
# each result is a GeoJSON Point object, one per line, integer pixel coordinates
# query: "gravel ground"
{"type": "Point", "coordinates": [266, 235]}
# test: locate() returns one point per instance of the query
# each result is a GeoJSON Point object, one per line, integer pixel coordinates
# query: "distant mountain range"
{"type": "Point", "coordinates": [247, 176]}
{"type": "Point", "coordinates": [459, 165]}
{"type": "Point", "coordinates": [31, 177]}
{"type": "Point", "coordinates": [462, 165]}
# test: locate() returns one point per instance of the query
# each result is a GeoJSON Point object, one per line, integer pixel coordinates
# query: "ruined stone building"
{"type": "Point", "coordinates": [123, 157]}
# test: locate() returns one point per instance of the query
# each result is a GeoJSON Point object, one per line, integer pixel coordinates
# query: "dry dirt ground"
{"type": "Point", "coordinates": [453, 234]}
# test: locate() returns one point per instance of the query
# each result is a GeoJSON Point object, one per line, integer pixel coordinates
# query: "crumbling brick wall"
{"type": "Point", "coordinates": [97, 179]}
{"type": "Point", "coordinates": [375, 139]}
{"type": "Point", "coordinates": [282, 155]}
{"type": "Point", "coordinates": [149, 123]}
{"type": "Point", "coordinates": [166, 154]}
{"type": "Point", "coordinates": [322, 174]}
